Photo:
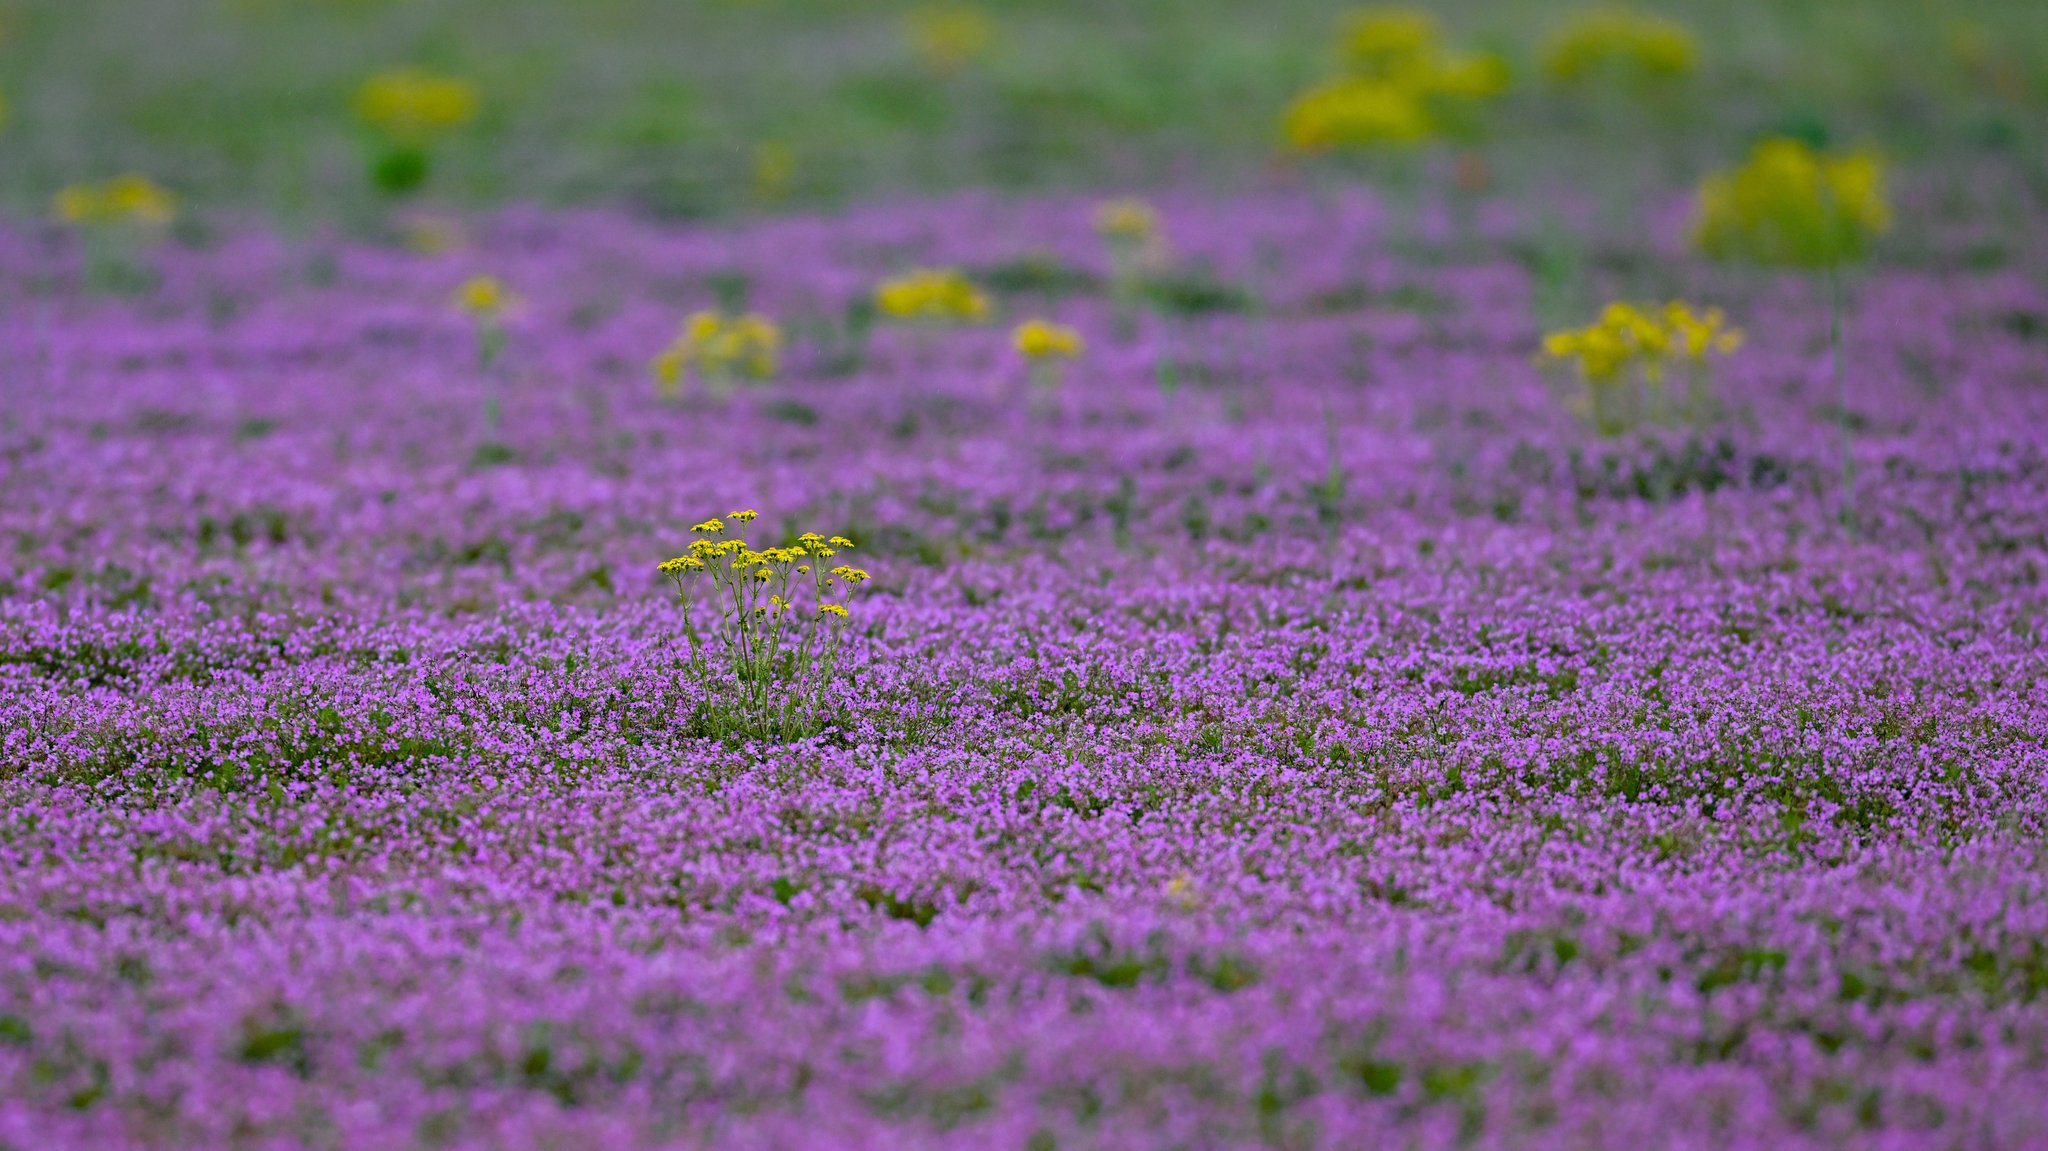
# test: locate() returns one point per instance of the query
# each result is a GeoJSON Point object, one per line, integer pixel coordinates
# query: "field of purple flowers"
{"type": "Point", "coordinates": [1297, 730]}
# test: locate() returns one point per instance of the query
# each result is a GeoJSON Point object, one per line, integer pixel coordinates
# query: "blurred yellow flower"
{"type": "Point", "coordinates": [1040, 340]}
{"type": "Point", "coordinates": [774, 171]}
{"type": "Point", "coordinates": [1127, 220]}
{"type": "Point", "coordinates": [948, 37]}
{"type": "Point", "coordinates": [932, 294]}
{"type": "Point", "coordinates": [1396, 45]}
{"type": "Point", "coordinates": [722, 348]}
{"type": "Point", "coordinates": [1695, 335]}
{"type": "Point", "coordinates": [1789, 205]}
{"type": "Point", "coordinates": [414, 106]}
{"type": "Point", "coordinates": [1617, 41]}
{"type": "Point", "coordinates": [132, 199]}
{"type": "Point", "coordinates": [485, 299]}
{"type": "Point", "coordinates": [1355, 113]}
{"type": "Point", "coordinates": [1628, 336]}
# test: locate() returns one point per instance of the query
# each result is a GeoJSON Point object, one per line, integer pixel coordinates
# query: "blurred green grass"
{"type": "Point", "coordinates": [662, 104]}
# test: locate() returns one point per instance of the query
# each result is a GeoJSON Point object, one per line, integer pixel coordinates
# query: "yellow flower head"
{"type": "Point", "coordinates": [1128, 220]}
{"type": "Point", "coordinates": [832, 609]}
{"type": "Point", "coordinates": [840, 542]}
{"type": "Point", "coordinates": [1354, 113]}
{"type": "Point", "coordinates": [1696, 335]}
{"type": "Point", "coordinates": [850, 574]}
{"type": "Point", "coordinates": [722, 346]}
{"type": "Point", "coordinates": [129, 199]}
{"type": "Point", "coordinates": [1038, 340]}
{"type": "Point", "coordinates": [1628, 336]}
{"type": "Point", "coordinates": [485, 299]}
{"type": "Point", "coordinates": [1390, 44]}
{"type": "Point", "coordinates": [1616, 41]}
{"type": "Point", "coordinates": [681, 564]}
{"type": "Point", "coordinates": [745, 517]}
{"type": "Point", "coordinates": [948, 37]}
{"type": "Point", "coordinates": [1789, 205]}
{"type": "Point", "coordinates": [711, 527]}
{"type": "Point", "coordinates": [941, 294]}
{"type": "Point", "coordinates": [414, 106]}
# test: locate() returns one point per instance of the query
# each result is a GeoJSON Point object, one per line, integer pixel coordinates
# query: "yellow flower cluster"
{"type": "Point", "coordinates": [733, 561]}
{"type": "Point", "coordinates": [129, 199]}
{"type": "Point", "coordinates": [723, 348]}
{"type": "Point", "coordinates": [948, 37]}
{"type": "Point", "coordinates": [414, 106]}
{"type": "Point", "coordinates": [932, 294]}
{"type": "Point", "coordinates": [1792, 206]}
{"type": "Point", "coordinates": [1627, 336]}
{"type": "Point", "coordinates": [1620, 42]}
{"type": "Point", "coordinates": [1040, 340]}
{"type": "Point", "coordinates": [485, 299]}
{"type": "Point", "coordinates": [1401, 86]}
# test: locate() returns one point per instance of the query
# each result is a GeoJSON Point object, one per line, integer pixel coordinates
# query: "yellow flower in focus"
{"type": "Point", "coordinates": [1356, 113]}
{"type": "Point", "coordinates": [832, 609]}
{"type": "Point", "coordinates": [1039, 340]}
{"type": "Point", "coordinates": [130, 199]}
{"type": "Point", "coordinates": [1620, 42]}
{"type": "Point", "coordinates": [932, 294]}
{"type": "Point", "coordinates": [1789, 205]}
{"type": "Point", "coordinates": [485, 299]}
{"type": "Point", "coordinates": [948, 37]}
{"type": "Point", "coordinates": [414, 106]}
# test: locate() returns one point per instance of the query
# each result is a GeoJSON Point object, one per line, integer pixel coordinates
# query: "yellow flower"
{"type": "Point", "coordinates": [948, 37]}
{"type": "Point", "coordinates": [129, 199]}
{"type": "Point", "coordinates": [414, 106]}
{"type": "Point", "coordinates": [1390, 44]}
{"type": "Point", "coordinates": [1628, 336]}
{"type": "Point", "coordinates": [1129, 220]}
{"type": "Point", "coordinates": [932, 294]}
{"type": "Point", "coordinates": [1618, 41]}
{"type": "Point", "coordinates": [1695, 335]}
{"type": "Point", "coordinates": [1038, 340]}
{"type": "Point", "coordinates": [1789, 205]}
{"type": "Point", "coordinates": [1356, 113]}
{"type": "Point", "coordinates": [850, 574]}
{"type": "Point", "coordinates": [723, 347]}
{"type": "Point", "coordinates": [840, 542]}
{"type": "Point", "coordinates": [745, 517]}
{"type": "Point", "coordinates": [682, 564]}
{"type": "Point", "coordinates": [832, 609]}
{"type": "Point", "coordinates": [712, 527]}
{"type": "Point", "coordinates": [485, 299]}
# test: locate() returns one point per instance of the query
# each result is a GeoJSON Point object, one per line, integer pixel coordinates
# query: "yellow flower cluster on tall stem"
{"type": "Point", "coordinates": [1624, 358]}
{"type": "Point", "coordinates": [411, 110]}
{"type": "Point", "coordinates": [720, 349]}
{"type": "Point", "coordinates": [1622, 44]}
{"type": "Point", "coordinates": [1046, 348]}
{"type": "Point", "coordinates": [118, 220]}
{"type": "Point", "coordinates": [775, 618]}
{"type": "Point", "coordinates": [1400, 86]}
{"type": "Point", "coordinates": [488, 303]}
{"type": "Point", "coordinates": [1790, 206]}
{"type": "Point", "coordinates": [1130, 228]}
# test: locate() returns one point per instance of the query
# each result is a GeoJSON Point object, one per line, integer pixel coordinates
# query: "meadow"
{"type": "Point", "coordinates": [1506, 619]}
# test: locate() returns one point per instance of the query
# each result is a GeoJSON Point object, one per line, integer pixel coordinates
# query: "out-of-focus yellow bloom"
{"type": "Point", "coordinates": [485, 299]}
{"type": "Point", "coordinates": [1620, 42]}
{"type": "Point", "coordinates": [414, 106]}
{"type": "Point", "coordinates": [1038, 340]}
{"type": "Point", "coordinates": [1128, 220]}
{"type": "Point", "coordinates": [1627, 336]}
{"type": "Point", "coordinates": [941, 294]}
{"type": "Point", "coordinates": [723, 348]}
{"type": "Point", "coordinates": [130, 199]}
{"type": "Point", "coordinates": [948, 37]}
{"type": "Point", "coordinates": [1396, 45]}
{"type": "Point", "coordinates": [1355, 113]}
{"type": "Point", "coordinates": [774, 171]}
{"type": "Point", "coordinates": [1791, 206]}
{"type": "Point", "coordinates": [1696, 335]}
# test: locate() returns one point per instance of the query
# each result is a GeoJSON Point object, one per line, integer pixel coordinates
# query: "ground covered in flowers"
{"type": "Point", "coordinates": [1300, 732]}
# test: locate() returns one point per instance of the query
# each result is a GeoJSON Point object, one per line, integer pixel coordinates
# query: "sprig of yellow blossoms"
{"type": "Point", "coordinates": [1628, 341]}
{"type": "Point", "coordinates": [131, 199]}
{"type": "Point", "coordinates": [1619, 42]}
{"type": "Point", "coordinates": [932, 295]}
{"type": "Point", "coordinates": [1791, 206]}
{"type": "Point", "coordinates": [1400, 86]}
{"type": "Point", "coordinates": [720, 348]}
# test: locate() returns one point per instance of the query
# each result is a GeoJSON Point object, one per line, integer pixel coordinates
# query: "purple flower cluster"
{"type": "Point", "coordinates": [1300, 733]}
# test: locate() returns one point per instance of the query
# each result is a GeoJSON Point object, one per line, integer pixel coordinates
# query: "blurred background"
{"type": "Point", "coordinates": [706, 109]}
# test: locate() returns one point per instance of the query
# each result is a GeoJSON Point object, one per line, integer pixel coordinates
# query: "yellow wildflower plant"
{"type": "Point", "coordinates": [948, 37]}
{"type": "Point", "coordinates": [1630, 344]}
{"type": "Point", "coordinates": [1353, 113]}
{"type": "Point", "coordinates": [1400, 86]}
{"type": "Point", "coordinates": [781, 659]}
{"type": "Point", "coordinates": [1038, 340]}
{"type": "Point", "coordinates": [939, 295]}
{"type": "Point", "coordinates": [1622, 43]}
{"type": "Point", "coordinates": [720, 349]}
{"type": "Point", "coordinates": [1791, 206]}
{"type": "Point", "coordinates": [415, 107]}
{"type": "Point", "coordinates": [131, 199]}
{"type": "Point", "coordinates": [485, 299]}
{"type": "Point", "coordinates": [1396, 45]}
